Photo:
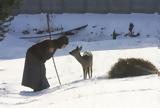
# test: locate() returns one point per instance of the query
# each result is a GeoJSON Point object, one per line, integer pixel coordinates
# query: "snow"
{"type": "Point", "coordinates": [98, 92]}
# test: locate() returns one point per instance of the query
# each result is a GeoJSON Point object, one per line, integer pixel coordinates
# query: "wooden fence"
{"type": "Point", "coordinates": [88, 6]}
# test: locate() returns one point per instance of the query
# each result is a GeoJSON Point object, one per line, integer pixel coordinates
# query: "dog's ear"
{"type": "Point", "coordinates": [77, 47]}
{"type": "Point", "coordinates": [80, 48]}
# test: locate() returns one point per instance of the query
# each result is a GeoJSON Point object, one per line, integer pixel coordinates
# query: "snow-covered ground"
{"type": "Point", "coordinates": [99, 92]}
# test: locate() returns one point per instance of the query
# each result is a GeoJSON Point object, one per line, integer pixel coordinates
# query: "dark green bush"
{"type": "Point", "coordinates": [131, 67]}
{"type": "Point", "coordinates": [6, 8]}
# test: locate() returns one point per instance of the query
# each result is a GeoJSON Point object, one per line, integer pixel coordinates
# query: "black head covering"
{"type": "Point", "coordinates": [62, 41]}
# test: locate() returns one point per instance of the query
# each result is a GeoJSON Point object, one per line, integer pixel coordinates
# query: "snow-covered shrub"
{"type": "Point", "coordinates": [131, 67]}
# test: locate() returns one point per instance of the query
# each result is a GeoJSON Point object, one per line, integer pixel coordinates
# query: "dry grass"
{"type": "Point", "coordinates": [131, 67]}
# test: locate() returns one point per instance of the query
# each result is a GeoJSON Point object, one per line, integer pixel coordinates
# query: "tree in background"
{"type": "Point", "coordinates": [6, 8]}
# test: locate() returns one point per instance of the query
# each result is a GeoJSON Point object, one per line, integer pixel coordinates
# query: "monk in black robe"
{"type": "Point", "coordinates": [34, 75]}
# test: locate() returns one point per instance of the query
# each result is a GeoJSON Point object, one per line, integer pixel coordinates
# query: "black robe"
{"type": "Point", "coordinates": [34, 74]}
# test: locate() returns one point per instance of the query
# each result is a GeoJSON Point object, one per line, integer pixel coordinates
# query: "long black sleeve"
{"type": "Point", "coordinates": [40, 50]}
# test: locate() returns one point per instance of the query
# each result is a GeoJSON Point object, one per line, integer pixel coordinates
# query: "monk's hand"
{"type": "Point", "coordinates": [51, 50]}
